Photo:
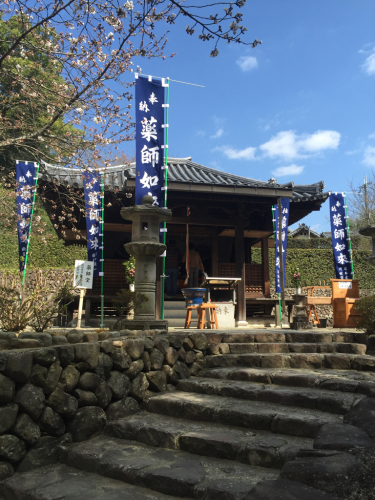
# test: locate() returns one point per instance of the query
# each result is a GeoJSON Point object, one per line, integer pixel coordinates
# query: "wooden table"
{"type": "Point", "coordinates": [311, 301]}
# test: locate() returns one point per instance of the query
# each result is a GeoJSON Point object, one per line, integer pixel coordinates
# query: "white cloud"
{"type": "Point", "coordinates": [369, 64]}
{"type": "Point", "coordinates": [218, 134]}
{"type": "Point", "coordinates": [246, 63]}
{"type": "Point", "coordinates": [369, 157]}
{"type": "Point", "coordinates": [371, 136]}
{"type": "Point", "coordinates": [288, 145]}
{"type": "Point", "coordinates": [289, 170]}
{"type": "Point", "coordinates": [237, 154]}
{"type": "Point", "coordinates": [200, 133]}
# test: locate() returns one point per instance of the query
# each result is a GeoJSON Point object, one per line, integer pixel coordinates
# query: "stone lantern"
{"type": "Point", "coordinates": [145, 246]}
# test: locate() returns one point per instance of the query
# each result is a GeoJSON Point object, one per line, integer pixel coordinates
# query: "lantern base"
{"type": "Point", "coordinates": [144, 324]}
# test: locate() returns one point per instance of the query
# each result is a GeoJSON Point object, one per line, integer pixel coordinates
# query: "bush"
{"type": "Point", "coordinates": [366, 308]}
{"type": "Point", "coordinates": [36, 307]}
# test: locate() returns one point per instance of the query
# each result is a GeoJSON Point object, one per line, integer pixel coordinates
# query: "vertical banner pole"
{"type": "Point", "coordinates": [349, 238]}
{"type": "Point", "coordinates": [31, 220]}
{"type": "Point", "coordinates": [280, 230]}
{"type": "Point", "coordinates": [274, 230]}
{"type": "Point", "coordinates": [102, 258]}
{"type": "Point", "coordinates": [165, 196]}
{"type": "Point", "coordinates": [82, 293]}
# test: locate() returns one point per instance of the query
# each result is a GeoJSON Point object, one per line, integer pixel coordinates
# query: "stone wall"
{"type": "Point", "coordinates": [65, 392]}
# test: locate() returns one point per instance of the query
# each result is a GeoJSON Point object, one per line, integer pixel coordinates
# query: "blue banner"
{"type": "Point", "coordinates": [26, 173]}
{"type": "Point", "coordinates": [340, 237]}
{"type": "Point", "coordinates": [93, 209]}
{"type": "Point", "coordinates": [149, 130]}
{"type": "Point", "coordinates": [284, 239]}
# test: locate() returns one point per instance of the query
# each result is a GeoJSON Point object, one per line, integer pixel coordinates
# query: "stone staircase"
{"type": "Point", "coordinates": [175, 313]}
{"type": "Point", "coordinates": [269, 418]}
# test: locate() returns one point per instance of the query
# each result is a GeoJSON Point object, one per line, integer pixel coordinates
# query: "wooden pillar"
{"type": "Point", "coordinates": [240, 272]}
{"type": "Point", "coordinates": [159, 271]}
{"type": "Point", "coordinates": [266, 268]}
{"type": "Point", "coordinates": [215, 255]}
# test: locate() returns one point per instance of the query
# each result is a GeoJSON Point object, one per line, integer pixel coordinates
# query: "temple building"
{"type": "Point", "coordinates": [227, 216]}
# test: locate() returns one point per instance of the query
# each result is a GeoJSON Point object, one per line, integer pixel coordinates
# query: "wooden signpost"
{"type": "Point", "coordinates": [83, 279]}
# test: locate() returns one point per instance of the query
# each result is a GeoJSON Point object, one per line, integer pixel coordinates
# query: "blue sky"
{"type": "Point", "coordinates": [298, 107]}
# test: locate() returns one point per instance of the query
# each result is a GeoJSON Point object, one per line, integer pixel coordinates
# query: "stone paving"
{"type": "Point", "coordinates": [275, 415]}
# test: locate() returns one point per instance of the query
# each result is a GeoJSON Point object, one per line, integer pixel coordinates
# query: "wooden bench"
{"type": "Point", "coordinates": [311, 301]}
{"type": "Point", "coordinates": [114, 280]}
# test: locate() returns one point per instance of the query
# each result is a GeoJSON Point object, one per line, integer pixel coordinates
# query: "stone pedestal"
{"type": "Point", "coordinates": [300, 320]}
{"type": "Point", "coordinates": [145, 247]}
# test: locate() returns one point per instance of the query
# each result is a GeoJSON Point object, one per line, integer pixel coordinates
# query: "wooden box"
{"type": "Point", "coordinates": [345, 293]}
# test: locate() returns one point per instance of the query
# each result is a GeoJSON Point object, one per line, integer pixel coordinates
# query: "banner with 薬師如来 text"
{"type": "Point", "coordinates": [342, 254]}
{"type": "Point", "coordinates": [26, 174]}
{"type": "Point", "coordinates": [149, 130]}
{"type": "Point", "coordinates": [284, 239]}
{"type": "Point", "coordinates": [94, 217]}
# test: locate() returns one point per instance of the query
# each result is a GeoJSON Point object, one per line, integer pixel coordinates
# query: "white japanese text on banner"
{"type": "Point", "coordinates": [340, 236]}
{"type": "Point", "coordinates": [284, 239]}
{"type": "Point", "coordinates": [149, 99]}
{"type": "Point", "coordinates": [93, 208]}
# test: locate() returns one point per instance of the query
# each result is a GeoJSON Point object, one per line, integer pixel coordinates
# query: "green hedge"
{"type": "Point", "coordinates": [54, 254]}
{"type": "Point", "coordinates": [316, 266]}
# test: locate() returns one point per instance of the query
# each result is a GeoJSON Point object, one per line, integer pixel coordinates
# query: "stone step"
{"type": "Point", "coordinates": [170, 305]}
{"type": "Point", "coordinates": [60, 482]}
{"type": "Point", "coordinates": [296, 347]}
{"type": "Point", "coordinates": [255, 415]}
{"type": "Point", "coordinates": [336, 361]}
{"type": "Point", "coordinates": [259, 448]}
{"type": "Point", "coordinates": [279, 335]}
{"type": "Point", "coordinates": [176, 473]}
{"type": "Point", "coordinates": [324, 400]}
{"type": "Point", "coordinates": [332, 380]}
{"type": "Point", "coordinates": [176, 322]}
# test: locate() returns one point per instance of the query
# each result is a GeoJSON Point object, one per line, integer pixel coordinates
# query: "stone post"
{"type": "Point", "coordinates": [145, 247]}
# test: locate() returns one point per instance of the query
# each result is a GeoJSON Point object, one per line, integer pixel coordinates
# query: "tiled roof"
{"type": "Point", "coordinates": [184, 170]}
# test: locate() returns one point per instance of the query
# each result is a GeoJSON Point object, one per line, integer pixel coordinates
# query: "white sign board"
{"type": "Point", "coordinates": [225, 314]}
{"type": "Point", "coordinates": [347, 285]}
{"type": "Point", "coordinates": [83, 273]}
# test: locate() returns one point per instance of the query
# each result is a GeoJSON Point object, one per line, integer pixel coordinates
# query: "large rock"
{"type": "Point", "coordinates": [45, 339]}
{"type": "Point", "coordinates": [31, 400]}
{"type": "Point", "coordinates": [53, 377]}
{"type": "Point", "coordinates": [51, 422]}
{"type": "Point", "coordinates": [145, 357]}
{"type": "Point", "coordinates": [44, 453]}
{"type": "Point", "coordinates": [162, 344]}
{"type": "Point", "coordinates": [199, 340]}
{"type": "Point", "coordinates": [88, 381]}
{"type": "Point", "coordinates": [7, 390]}
{"type": "Point", "coordinates": [8, 415]}
{"type": "Point", "coordinates": [119, 384]}
{"type": "Point", "coordinates": [341, 437]}
{"type": "Point", "coordinates": [139, 386]}
{"type": "Point", "coordinates": [12, 449]}
{"type": "Point", "coordinates": [38, 375]}
{"type": "Point", "coordinates": [6, 470]}
{"type": "Point", "coordinates": [69, 378]}
{"type": "Point", "coordinates": [59, 339]}
{"type": "Point", "coordinates": [18, 366]}
{"type": "Point", "coordinates": [134, 347]}
{"type": "Point", "coordinates": [122, 408]}
{"type": "Point", "coordinates": [227, 489]}
{"type": "Point", "coordinates": [149, 344]}
{"type": "Point", "coordinates": [89, 353]}
{"type": "Point", "coordinates": [85, 398]}
{"type": "Point", "coordinates": [45, 357]}
{"type": "Point", "coordinates": [87, 421]}
{"type": "Point", "coordinates": [171, 356]}
{"type": "Point", "coordinates": [182, 370]}
{"type": "Point", "coordinates": [363, 416]}
{"type": "Point", "coordinates": [103, 394]}
{"type": "Point", "coordinates": [65, 354]}
{"type": "Point", "coordinates": [135, 368]}
{"type": "Point", "coordinates": [120, 359]}
{"type": "Point", "coordinates": [282, 489]}
{"type": "Point", "coordinates": [105, 365]}
{"type": "Point", "coordinates": [157, 381]}
{"type": "Point", "coordinates": [63, 403]}
{"type": "Point", "coordinates": [156, 359]}
{"type": "Point", "coordinates": [331, 471]}
{"type": "Point", "coordinates": [26, 429]}
{"type": "Point", "coordinates": [7, 335]}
